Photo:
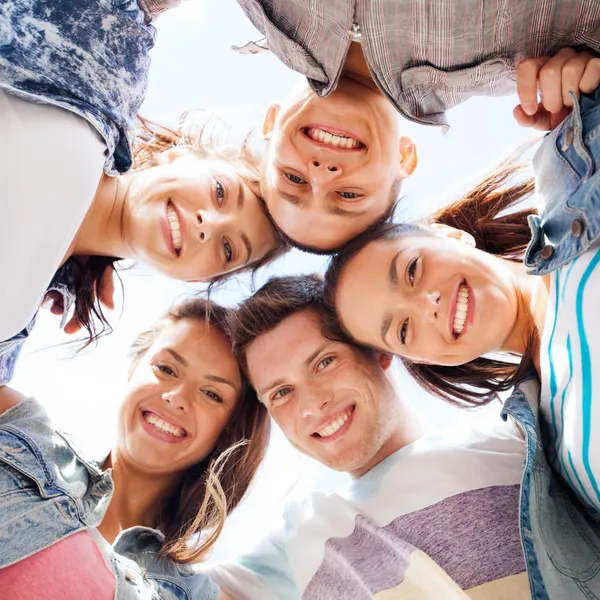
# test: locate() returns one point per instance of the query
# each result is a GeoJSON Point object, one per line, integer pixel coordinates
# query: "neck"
{"type": "Point", "coordinates": [532, 300]}
{"type": "Point", "coordinates": [136, 499]}
{"type": "Point", "coordinates": [101, 233]}
{"type": "Point", "coordinates": [356, 67]}
{"type": "Point", "coordinates": [398, 433]}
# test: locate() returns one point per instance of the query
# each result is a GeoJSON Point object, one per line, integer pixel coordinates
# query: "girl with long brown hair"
{"type": "Point", "coordinates": [191, 435]}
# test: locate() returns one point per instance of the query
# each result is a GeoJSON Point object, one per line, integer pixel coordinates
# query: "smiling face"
{"type": "Point", "coordinates": [332, 402]}
{"type": "Point", "coordinates": [181, 395]}
{"type": "Point", "coordinates": [430, 299]}
{"type": "Point", "coordinates": [333, 165]}
{"type": "Point", "coordinates": [193, 219]}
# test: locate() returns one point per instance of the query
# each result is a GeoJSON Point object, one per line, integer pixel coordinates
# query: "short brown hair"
{"type": "Point", "coordinates": [278, 299]}
{"type": "Point", "coordinates": [194, 513]}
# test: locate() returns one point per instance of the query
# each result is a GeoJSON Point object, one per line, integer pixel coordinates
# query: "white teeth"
{"type": "Point", "coordinates": [175, 227]}
{"type": "Point", "coordinates": [462, 304]}
{"type": "Point", "coordinates": [332, 139]}
{"type": "Point", "coordinates": [163, 426]}
{"type": "Point", "coordinates": [333, 427]}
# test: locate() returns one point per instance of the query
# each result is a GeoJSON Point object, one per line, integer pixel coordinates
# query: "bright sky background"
{"type": "Point", "coordinates": [194, 66]}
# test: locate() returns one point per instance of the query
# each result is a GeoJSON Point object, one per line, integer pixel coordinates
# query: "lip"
{"type": "Point", "coordinates": [335, 131]}
{"type": "Point", "coordinates": [340, 432]}
{"type": "Point", "coordinates": [469, 319]}
{"type": "Point", "coordinates": [160, 435]}
{"type": "Point", "coordinates": [166, 229]}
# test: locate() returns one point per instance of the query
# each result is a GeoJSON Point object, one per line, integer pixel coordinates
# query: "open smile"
{"type": "Point", "coordinates": [462, 310]}
{"type": "Point", "coordinates": [333, 139]}
{"type": "Point", "coordinates": [173, 228]}
{"type": "Point", "coordinates": [334, 427]}
{"type": "Point", "coordinates": [158, 427]}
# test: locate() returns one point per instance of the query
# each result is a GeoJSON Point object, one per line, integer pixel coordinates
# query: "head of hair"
{"type": "Point", "coordinates": [386, 217]}
{"type": "Point", "coordinates": [275, 301]}
{"type": "Point", "coordinates": [489, 213]}
{"type": "Point", "coordinates": [150, 141]}
{"type": "Point", "coordinates": [193, 515]}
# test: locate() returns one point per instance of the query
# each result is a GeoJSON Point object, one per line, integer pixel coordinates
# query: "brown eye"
{"type": "Point", "coordinates": [402, 332]}
{"type": "Point", "coordinates": [412, 269]}
{"type": "Point", "coordinates": [228, 251]}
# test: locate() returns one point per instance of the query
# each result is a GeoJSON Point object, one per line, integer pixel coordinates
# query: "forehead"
{"type": "Point", "coordinates": [284, 347]}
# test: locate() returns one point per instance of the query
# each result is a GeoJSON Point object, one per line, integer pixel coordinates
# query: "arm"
{"type": "Point", "coordinates": [9, 398]}
{"type": "Point", "coordinates": [553, 78]}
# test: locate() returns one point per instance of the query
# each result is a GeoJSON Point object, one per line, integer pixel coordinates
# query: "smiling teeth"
{"type": "Point", "coordinates": [462, 303]}
{"type": "Point", "coordinates": [333, 427]}
{"type": "Point", "coordinates": [339, 141]}
{"type": "Point", "coordinates": [175, 227]}
{"type": "Point", "coordinates": [163, 426]}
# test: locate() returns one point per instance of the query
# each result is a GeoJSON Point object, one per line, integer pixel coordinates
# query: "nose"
{"type": "Point", "coordinates": [313, 401]}
{"type": "Point", "coordinates": [209, 224]}
{"type": "Point", "coordinates": [432, 306]}
{"type": "Point", "coordinates": [176, 400]}
{"type": "Point", "coordinates": [324, 170]}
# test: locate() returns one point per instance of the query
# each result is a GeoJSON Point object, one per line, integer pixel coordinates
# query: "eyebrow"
{"type": "Point", "coordinates": [177, 357]}
{"type": "Point", "coordinates": [393, 272]}
{"type": "Point", "coordinates": [219, 379]}
{"type": "Point", "coordinates": [248, 246]}
{"type": "Point", "coordinates": [336, 210]}
{"type": "Point", "coordinates": [240, 198]}
{"type": "Point", "coordinates": [385, 327]}
{"type": "Point", "coordinates": [307, 362]}
{"type": "Point", "coordinates": [291, 198]}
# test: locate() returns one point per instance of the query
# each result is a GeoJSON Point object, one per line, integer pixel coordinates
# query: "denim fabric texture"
{"type": "Point", "coordinates": [48, 492]}
{"type": "Point", "coordinates": [11, 349]}
{"type": "Point", "coordinates": [89, 57]}
{"type": "Point", "coordinates": [560, 537]}
{"type": "Point", "coordinates": [567, 190]}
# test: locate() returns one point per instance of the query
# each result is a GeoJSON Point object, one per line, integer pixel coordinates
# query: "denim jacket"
{"type": "Point", "coordinates": [560, 537]}
{"type": "Point", "coordinates": [567, 180]}
{"type": "Point", "coordinates": [88, 57]}
{"type": "Point", "coordinates": [48, 492]}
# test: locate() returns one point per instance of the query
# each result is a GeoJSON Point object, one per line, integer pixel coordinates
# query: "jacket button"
{"type": "Point", "coordinates": [568, 140]}
{"type": "Point", "coordinates": [547, 252]}
{"type": "Point", "coordinates": [130, 575]}
{"type": "Point", "coordinates": [577, 227]}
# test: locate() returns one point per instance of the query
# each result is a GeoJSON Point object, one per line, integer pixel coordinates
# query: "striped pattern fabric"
{"type": "Point", "coordinates": [425, 56]}
{"type": "Point", "coordinates": [570, 362]}
{"type": "Point", "coordinates": [153, 8]}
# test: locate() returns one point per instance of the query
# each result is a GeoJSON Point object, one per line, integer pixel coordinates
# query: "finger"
{"type": "Point", "coordinates": [551, 80]}
{"type": "Point", "coordinates": [541, 120]}
{"type": "Point", "coordinates": [527, 82]}
{"type": "Point", "coordinates": [590, 80]}
{"type": "Point", "coordinates": [73, 326]}
{"type": "Point", "coordinates": [106, 289]}
{"type": "Point", "coordinates": [572, 73]}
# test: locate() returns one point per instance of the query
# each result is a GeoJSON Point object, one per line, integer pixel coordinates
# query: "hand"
{"type": "Point", "coordinates": [105, 293]}
{"type": "Point", "coordinates": [553, 77]}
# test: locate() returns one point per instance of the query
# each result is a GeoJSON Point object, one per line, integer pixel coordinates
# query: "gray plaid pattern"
{"type": "Point", "coordinates": [426, 55]}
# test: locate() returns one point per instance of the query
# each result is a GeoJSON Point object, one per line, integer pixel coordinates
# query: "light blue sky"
{"type": "Point", "coordinates": [194, 66]}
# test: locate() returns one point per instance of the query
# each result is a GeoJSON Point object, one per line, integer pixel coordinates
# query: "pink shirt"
{"type": "Point", "coordinates": [72, 569]}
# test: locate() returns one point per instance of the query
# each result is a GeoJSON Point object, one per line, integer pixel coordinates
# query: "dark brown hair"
{"type": "Point", "coordinates": [150, 141]}
{"type": "Point", "coordinates": [488, 213]}
{"type": "Point", "coordinates": [278, 299]}
{"type": "Point", "coordinates": [193, 516]}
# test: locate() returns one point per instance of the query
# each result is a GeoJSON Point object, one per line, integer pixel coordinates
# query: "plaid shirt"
{"type": "Point", "coordinates": [426, 56]}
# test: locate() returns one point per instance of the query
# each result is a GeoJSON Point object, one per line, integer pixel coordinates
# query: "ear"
{"type": "Point", "coordinates": [452, 233]}
{"type": "Point", "coordinates": [385, 360]}
{"type": "Point", "coordinates": [168, 156]}
{"type": "Point", "coordinates": [269, 122]}
{"type": "Point", "coordinates": [408, 157]}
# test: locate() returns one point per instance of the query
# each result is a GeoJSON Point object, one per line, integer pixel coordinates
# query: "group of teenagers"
{"type": "Point", "coordinates": [494, 296]}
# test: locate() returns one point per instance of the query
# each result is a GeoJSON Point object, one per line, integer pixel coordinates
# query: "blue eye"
{"type": "Point", "coordinates": [402, 332]}
{"type": "Point", "coordinates": [350, 195]}
{"type": "Point", "coordinates": [294, 178]}
{"type": "Point", "coordinates": [220, 190]}
{"type": "Point", "coordinates": [214, 396]}
{"type": "Point", "coordinates": [228, 251]}
{"type": "Point", "coordinates": [281, 393]}
{"type": "Point", "coordinates": [324, 363]}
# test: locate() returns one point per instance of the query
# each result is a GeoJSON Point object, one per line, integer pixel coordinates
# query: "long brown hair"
{"type": "Point", "coordinates": [193, 515]}
{"type": "Point", "coordinates": [150, 141]}
{"type": "Point", "coordinates": [487, 212]}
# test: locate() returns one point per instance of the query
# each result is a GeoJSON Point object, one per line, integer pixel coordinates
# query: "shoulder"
{"type": "Point", "coordinates": [9, 398]}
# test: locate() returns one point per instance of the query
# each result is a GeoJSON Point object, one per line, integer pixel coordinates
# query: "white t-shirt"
{"type": "Point", "coordinates": [570, 365]}
{"type": "Point", "coordinates": [434, 518]}
{"type": "Point", "coordinates": [50, 164]}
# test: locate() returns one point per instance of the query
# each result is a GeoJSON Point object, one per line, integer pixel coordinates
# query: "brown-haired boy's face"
{"type": "Point", "coordinates": [333, 164]}
{"type": "Point", "coordinates": [332, 402]}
